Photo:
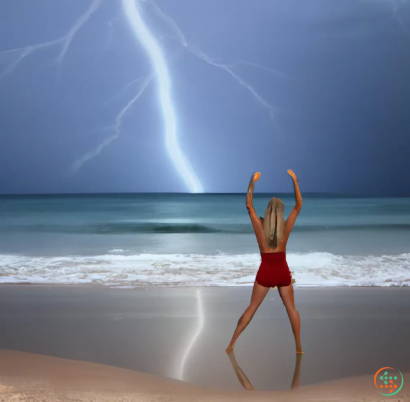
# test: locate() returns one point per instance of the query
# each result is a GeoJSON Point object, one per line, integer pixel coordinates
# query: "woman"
{"type": "Point", "coordinates": [272, 234]}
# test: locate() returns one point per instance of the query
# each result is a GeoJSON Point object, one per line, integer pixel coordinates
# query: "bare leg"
{"type": "Point", "coordinates": [258, 294]}
{"type": "Point", "coordinates": [286, 294]}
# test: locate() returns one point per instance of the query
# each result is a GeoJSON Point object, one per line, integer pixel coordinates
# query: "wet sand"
{"type": "Point", "coordinates": [181, 333]}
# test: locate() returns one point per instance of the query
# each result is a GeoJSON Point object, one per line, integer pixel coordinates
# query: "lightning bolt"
{"type": "Point", "coordinates": [147, 40]}
{"type": "Point", "coordinates": [160, 71]}
{"type": "Point", "coordinates": [64, 42]}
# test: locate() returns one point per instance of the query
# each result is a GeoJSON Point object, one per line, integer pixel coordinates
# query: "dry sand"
{"type": "Point", "coordinates": [30, 378]}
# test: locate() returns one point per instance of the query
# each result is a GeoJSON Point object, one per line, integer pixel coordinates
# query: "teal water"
{"type": "Point", "coordinates": [41, 237]}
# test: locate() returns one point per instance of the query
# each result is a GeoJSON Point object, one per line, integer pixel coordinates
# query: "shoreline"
{"type": "Point", "coordinates": [131, 287]}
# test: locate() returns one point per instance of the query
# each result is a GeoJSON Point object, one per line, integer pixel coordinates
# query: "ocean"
{"type": "Point", "coordinates": [135, 240]}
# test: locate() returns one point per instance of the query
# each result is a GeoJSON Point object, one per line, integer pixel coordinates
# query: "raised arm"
{"type": "Point", "coordinates": [256, 223]}
{"type": "Point", "coordinates": [294, 213]}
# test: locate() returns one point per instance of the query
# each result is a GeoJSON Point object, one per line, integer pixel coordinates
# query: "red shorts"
{"type": "Point", "coordinates": [274, 270]}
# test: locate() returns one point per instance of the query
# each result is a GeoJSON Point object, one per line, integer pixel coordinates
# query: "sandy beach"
{"type": "Point", "coordinates": [154, 337]}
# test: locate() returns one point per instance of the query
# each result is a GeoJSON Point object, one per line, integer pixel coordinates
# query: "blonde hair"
{"type": "Point", "coordinates": [274, 222]}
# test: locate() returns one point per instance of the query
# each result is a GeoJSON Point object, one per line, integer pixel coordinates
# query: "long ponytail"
{"type": "Point", "coordinates": [274, 222]}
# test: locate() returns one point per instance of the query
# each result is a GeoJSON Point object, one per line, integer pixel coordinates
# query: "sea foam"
{"type": "Point", "coordinates": [311, 269]}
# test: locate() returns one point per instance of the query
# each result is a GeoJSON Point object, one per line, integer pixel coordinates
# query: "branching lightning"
{"type": "Point", "coordinates": [64, 42]}
{"type": "Point", "coordinates": [116, 128]}
{"type": "Point", "coordinates": [247, 63]}
{"type": "Point", "coordinates": [271, 110]}
{"type": "Point", "coordinates": [122, 90]}
{"type": "Point", "coordinates": [226, 67]}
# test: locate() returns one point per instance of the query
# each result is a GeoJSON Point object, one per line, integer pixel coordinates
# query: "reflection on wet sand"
{"type": "Point", "coordinates": [296, 373]}
{"type": "Point", "coordinates": [240, 374]}
{"type": "Point", "coordinates": [247, 384]}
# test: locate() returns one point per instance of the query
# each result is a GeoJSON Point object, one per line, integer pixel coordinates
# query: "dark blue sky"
{"type": "Point", "coordinates": [342, 100]}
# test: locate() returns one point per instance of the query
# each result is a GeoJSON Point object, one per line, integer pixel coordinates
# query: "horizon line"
{"type": "Point", "coordinates": [306, 193]}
